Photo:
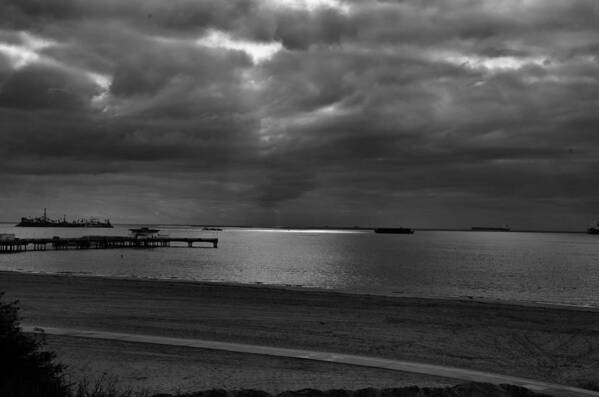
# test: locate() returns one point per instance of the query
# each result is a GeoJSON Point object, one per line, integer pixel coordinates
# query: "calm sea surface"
{"type": "Point", "coordinates": [537, 267]}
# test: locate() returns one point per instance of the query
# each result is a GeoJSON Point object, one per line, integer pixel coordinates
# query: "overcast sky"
{"type": "Point", "coordinates": [423, 113]}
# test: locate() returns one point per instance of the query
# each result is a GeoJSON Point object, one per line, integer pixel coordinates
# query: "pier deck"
{"type": "Point", "coordinates": [97, 242]}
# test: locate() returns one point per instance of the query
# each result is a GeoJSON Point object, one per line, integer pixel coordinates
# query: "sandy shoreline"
{"type": "Point", "coordinates": [551, 343]}
{"type": "Point", "coordinates": [302, 288]}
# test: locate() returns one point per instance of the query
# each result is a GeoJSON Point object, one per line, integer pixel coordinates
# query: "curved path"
{"type": "Point", "coordinates": [365, 361]}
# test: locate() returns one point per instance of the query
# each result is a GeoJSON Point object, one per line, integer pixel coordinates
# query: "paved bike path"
{"type": "Point", "coordinates": [350, 359]}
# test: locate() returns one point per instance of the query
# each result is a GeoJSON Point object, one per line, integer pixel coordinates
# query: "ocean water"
{"type": "Point", "coordinates": [533, 267]}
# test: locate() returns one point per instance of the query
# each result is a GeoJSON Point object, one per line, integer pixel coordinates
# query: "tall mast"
{"type": "Point", "coordinates": [45, 214]}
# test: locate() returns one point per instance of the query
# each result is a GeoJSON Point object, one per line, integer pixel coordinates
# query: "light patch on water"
{"type": "Point", "coordinates": [312, 231]}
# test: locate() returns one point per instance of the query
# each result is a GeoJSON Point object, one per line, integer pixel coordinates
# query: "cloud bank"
{"type": "Point", "coordinates": [306, 112]}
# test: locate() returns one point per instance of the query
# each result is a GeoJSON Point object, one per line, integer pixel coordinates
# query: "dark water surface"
{"type": "Point", "coordinates": [537, 267]}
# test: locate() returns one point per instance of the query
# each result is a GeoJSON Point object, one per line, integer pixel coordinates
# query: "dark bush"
{"type": "Point", "coordinates": [26, 370]}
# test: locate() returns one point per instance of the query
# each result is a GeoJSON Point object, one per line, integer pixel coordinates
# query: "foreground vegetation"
{"type": "Point", "coordinates": [25, 368]}
{"type": "Point", "coordinates": [28, 370]}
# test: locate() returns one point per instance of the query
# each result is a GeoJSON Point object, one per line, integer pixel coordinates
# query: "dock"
{"type": "Point", "coordinates": [15, 245]}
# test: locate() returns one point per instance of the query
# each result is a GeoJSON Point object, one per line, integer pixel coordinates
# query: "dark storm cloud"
{"type": "Point", "coordinates": [37, 87]}
{"type": "Point", "coordinates": [295, 28]}
{"type": "Point", "coordinates": [264, 108]}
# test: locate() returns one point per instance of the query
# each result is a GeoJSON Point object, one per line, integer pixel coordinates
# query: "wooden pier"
{"type": "Point", "coordinates": [15, 245]}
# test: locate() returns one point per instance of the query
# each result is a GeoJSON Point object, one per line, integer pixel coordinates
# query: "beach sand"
{"type": "Point", "coordinates": [554, 344]}
{"type": "Point", "coordinates": [157, 368]}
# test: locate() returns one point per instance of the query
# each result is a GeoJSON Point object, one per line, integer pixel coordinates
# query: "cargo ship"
{"type": "Point", "coordinates": [394, 230]}
{"type": "Point", "coordinates": [490, 229]}
{"type": "Point", "coordinates": [44, 221]}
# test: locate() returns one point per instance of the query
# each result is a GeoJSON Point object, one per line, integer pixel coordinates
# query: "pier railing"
{"type": "Point", "coordinates": [97, 242]}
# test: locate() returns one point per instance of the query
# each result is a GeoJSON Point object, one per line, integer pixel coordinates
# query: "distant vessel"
{"type": "Point", "coordinates": [490, 229]}
{"type": "Point", "coordinates": [214, 229]}
{"type": "Point", "coordinates": [44, 221]}
{"type": "Point", "coordinates": [593, 229]}
{"type": "Point", "coordinates": [144, 232]}
{"type": "Point", "coordinates": [394, 230]}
